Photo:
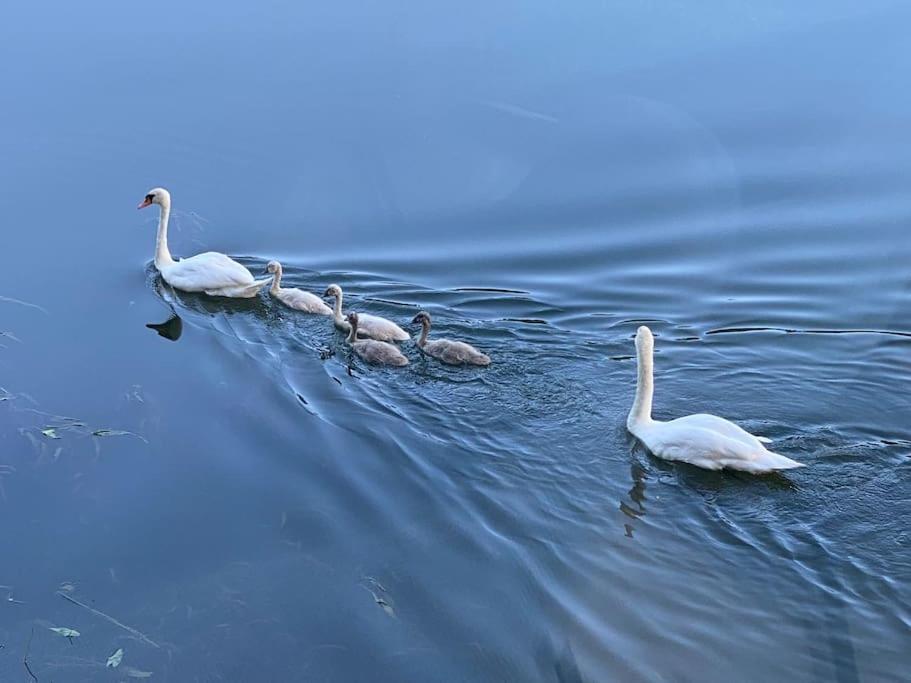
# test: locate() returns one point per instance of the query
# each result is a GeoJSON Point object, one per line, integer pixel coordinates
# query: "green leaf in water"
{"type": "Point", "coordinates": [115, 659]}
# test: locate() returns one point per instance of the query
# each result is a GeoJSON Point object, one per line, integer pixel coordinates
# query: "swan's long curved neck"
{"type": "Point", "coordinates": [352, 335]}
{"type": "Point", "coordinates": [641, 412]}
{"type": "Point", "coordinates": [425, 330]}
{"type": "Point", "coordinates": [337, 307]}
{"type": "Point", "coordinates": [162, 254]}
{"type": "Point", "coordinates": [276, 280]}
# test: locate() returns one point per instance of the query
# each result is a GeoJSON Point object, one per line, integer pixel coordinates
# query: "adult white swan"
{"type": "Point", "coordinates": [703, 440]}
{"type": "Point", "coordinates": [210, 272]}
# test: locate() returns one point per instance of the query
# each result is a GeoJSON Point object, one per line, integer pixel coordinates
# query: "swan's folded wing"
{"type": "Point", "coordinates": [458, 352]}
{"type": "Point", "coordinates": [713, 450]}
{"type": "Point", "coordinates": [208, 271]}
{"type": "Point", "coordinates": [380, 328]}
{"type": "Point", "coordinates": [721, 426]}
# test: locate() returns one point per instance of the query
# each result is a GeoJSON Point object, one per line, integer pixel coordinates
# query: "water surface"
{"type": "Point", "coordinates": [542, 180]}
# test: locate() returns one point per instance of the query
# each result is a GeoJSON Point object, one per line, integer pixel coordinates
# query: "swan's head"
{"type": "Point", "coordinates": [333, 290]}
{"type": "Point", "coordinates": [273, 267]}
{"type": "Point", "coordinates": [157, 195]}
{"type": "Point", "coordinates": [645, 342]}
{"type": "Point", "coordinates": [422, 318]}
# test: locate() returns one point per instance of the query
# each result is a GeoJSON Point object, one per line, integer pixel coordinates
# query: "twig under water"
{"type": "Point", "coordinates": [11, 300]}
{"type": "Point", "coordinates": [28, 647]}
{"type": "Point", "coordinates": [98, 613]}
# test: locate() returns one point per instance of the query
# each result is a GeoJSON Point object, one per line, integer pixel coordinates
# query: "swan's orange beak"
{"type": "Point", "coordinates": [144, 203]}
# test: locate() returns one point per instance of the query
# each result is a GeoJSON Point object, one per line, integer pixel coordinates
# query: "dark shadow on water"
{"type": "Point", "coordinates": [171, 328]}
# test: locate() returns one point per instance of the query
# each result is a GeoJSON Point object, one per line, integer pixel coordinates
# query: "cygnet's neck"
{"type": "Point", "coordinates": [641, 412]}
{"type": "Point", "coordinates": [162, 254]}
{"type": "Point", "coordinates": [352, 334]}
{"type": "Point", "coordinates": [425, 330]}
{"type": "Point", "coordinates": [276, 280]}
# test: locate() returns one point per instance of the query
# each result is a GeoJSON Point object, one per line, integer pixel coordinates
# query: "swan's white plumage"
{"type": "Point", "coordinates": [370, 326]}
{"type": "Point", "coordinates": [293, 297]}
{"type": "Point", "coordinates": [210, 272]}
{"type": "Point", "coordinates": [706, 441]}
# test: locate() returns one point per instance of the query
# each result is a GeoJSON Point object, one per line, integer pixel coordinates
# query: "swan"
{"type": "Point", "coordinates": [446, 350]}
{"type": "Point", "coordinates": [210, 272]}
{"type": "Point", "coordinates": [370, 326]}
{"type": "Point", "coordinates": [292, 297]}
{"type": "Point", "coordinates": [371, 350]}
{"type": "Point", "coordinates": [706, 441]}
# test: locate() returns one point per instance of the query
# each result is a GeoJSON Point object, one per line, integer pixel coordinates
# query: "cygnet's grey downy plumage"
{"type": "Point", "coordinates": [447, 350]}
{"type": "Point", "coordinates": [293, 297]}
{"type": "Point", "coordinates": [371, 350]}
{"type": "Point", "coordinates": [370, 326]}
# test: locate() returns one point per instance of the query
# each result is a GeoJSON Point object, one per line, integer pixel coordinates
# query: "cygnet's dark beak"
{"type": "Point", "coordinates": [416, 319]}
{"type": "Point", "coordinates": [266, 271]}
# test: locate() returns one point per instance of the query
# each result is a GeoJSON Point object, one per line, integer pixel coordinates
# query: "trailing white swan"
{"type": "Point", "coordinates": [211, 272]}
{"type": "Point", "coordinates": [371, 326]}
{"type": "Point", "coordinates": [371, 350]}
{"type": "Point", "coordinates": [293, 297]}
{"type": "Point", "coordinates": [703, 440]}
{"type": "Point", "coordinates": [447, 350]}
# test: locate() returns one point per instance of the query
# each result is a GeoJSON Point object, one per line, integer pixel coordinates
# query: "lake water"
{"type": "Point", "coordinates": [542, 178]}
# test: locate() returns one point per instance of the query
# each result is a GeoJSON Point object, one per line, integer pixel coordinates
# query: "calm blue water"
{"type": "Point", "coordinates": [542, 178]}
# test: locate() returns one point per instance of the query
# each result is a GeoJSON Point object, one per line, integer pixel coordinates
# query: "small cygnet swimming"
{"type": "Point", "coordinates": [293, 297]}
{"type": "Point", "coordinates": [371, 350]}
{"type": "Point", "coordinates": [447, 350]}
{"type": "Point", "coordinates": [370, 326]}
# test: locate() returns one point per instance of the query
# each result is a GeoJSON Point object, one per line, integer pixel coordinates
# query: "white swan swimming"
{"type": "Point", "coordinates": [371, 326]}
{"type": "Point", "coordinates": [446, 350]}
{"type": "Point", "coordinates": [293, 297]}
{"type": "Point", "coordinates": [371, 350]}
{"type": "Point", "coordinates": [210, 272]}
{"type": "Point", "coordinates": [703, 440]}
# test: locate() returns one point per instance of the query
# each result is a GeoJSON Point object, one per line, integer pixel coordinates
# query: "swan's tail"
{"type": "Point", "coordinates": [259, 284]}
{"type": "Point", "coordinates": [242, 291]}
{"type": "Point", "coordinates": [769, 461]}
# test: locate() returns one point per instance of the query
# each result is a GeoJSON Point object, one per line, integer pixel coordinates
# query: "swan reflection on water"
{"type": "Point", "coordinates": [637, 496]}
{"type": "Point", "coordinates": [171, 328]}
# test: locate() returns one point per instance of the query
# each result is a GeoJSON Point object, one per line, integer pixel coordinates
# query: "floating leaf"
{"type": "Point", "coordinates": [136, 673]}
{"type": "Point", "coordinates": [115, 659]}
{"type": "Point", "coordinates": [50, 433]}
{"type": "Point", "coordinates": [65, 632]}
